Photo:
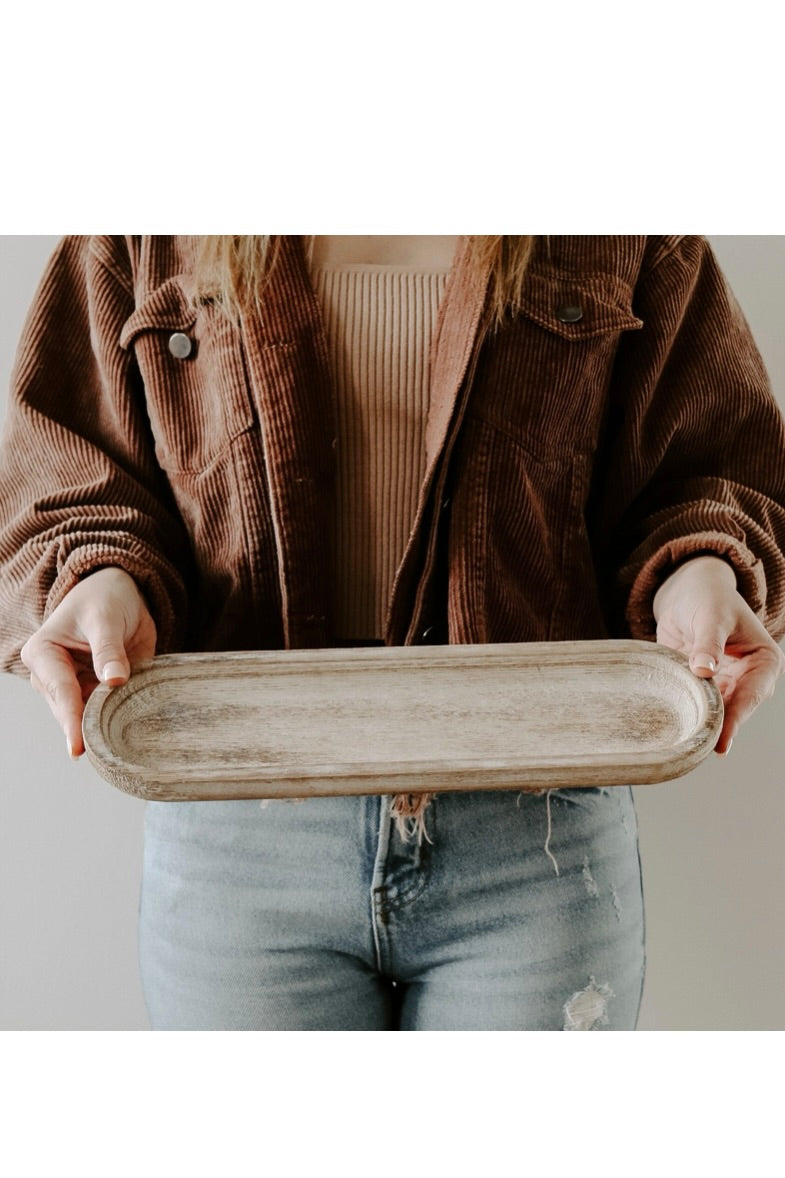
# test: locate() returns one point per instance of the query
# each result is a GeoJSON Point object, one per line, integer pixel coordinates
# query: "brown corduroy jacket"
{"type": "Point", "coordinates": [618, 423]}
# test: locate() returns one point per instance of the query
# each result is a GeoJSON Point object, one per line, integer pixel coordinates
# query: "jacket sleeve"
{"type": "Point", "coordinates": [79, 485]}
{"type": "Point", "coordinates": [694, 460]}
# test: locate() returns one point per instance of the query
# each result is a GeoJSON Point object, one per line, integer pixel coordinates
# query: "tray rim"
{"type": "Point", "coordinates": [325, 779]}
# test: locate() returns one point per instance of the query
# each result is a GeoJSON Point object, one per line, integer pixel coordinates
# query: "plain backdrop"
{"type": "Point", "coordinates": [70, 844]}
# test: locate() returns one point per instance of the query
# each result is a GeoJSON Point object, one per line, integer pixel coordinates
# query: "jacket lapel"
{"type": "Point", "coordinates": [456, 346]}
{"type": "Point", "coordinates": [289, 375]}
{"type": "Point", "coordinates": [455, 340]}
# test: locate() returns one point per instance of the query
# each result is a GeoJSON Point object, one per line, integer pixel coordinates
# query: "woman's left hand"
{"type": "Point", "coordinates": [699, 611]}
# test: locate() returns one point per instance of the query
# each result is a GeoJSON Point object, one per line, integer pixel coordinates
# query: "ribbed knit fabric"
{"type": "Point", "coordinates": [379, 322]}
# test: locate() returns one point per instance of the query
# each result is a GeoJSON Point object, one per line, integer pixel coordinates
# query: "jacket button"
{"type": "Point", "coordinates": [569, 313]}
{"type": "Point", "coordinates": [180, 345]}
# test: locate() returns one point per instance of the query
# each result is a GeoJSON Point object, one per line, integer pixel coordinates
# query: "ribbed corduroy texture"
{"type": "Point", "coordinates": [379, 322]}
{"type": "Point", "coordinates": [571, 462]}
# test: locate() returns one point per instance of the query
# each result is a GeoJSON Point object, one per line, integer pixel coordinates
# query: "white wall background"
{"type": "Point", "coordinates": [711, 843]}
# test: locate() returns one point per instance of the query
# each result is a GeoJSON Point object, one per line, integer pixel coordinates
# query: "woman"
{"type": "Point", "coordinates": [240, 443]}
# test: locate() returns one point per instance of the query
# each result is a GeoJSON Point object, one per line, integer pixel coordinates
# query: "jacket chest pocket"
{"type": "Point", "coordinates": [543, 377]}
{"type": "Point", "coordinates": [191, 362]}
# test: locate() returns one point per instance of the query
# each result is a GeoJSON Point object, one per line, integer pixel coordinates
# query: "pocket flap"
{"type": "Point", "coordinates": [578, 308]}
{"type": "Point", "coordinates": [167, 308]}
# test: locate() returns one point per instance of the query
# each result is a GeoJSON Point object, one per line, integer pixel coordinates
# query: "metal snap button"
{"type": "Point", "coordinates": [180, 345]}
{"type": "Point", "coordinates": [569, 313]}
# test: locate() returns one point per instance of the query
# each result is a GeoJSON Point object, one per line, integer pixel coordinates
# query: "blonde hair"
{"type": "Point", "coordinates": [235, 269]}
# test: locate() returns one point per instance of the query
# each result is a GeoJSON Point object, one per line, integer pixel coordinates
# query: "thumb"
{"type": "Point", "coordinates": [107, 644]}
{"type": "Point", "coordinates": [708, 644]}
{"type": "Point", "coordinates": [114, 621]}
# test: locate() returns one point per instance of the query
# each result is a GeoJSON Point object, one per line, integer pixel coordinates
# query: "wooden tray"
{"type": "Point", "coordinates": [402, 719]}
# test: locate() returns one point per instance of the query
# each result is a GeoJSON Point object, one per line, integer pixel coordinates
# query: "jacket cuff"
{"type": "Point", "coordinates": [750, 576]}
{"type": "Point", "coordinates": [161, 587]}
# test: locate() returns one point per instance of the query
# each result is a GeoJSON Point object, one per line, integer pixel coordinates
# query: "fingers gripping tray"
{"type": "Point", "coordinates": [402, 719]}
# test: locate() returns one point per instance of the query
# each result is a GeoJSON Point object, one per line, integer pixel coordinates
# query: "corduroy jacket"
{"type": "Point", "coordinates": [619, 422]}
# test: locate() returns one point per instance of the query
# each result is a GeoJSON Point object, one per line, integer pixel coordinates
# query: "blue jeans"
{"type": "Point", "coordinates": [319, 916]}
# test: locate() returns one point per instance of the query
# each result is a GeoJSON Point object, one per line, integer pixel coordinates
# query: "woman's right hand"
{"type": "Point", "coordinates": [92, 637]}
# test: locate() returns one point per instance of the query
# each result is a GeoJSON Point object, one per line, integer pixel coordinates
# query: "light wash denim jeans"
{"type": "Point", "coordinates": [319, 916]}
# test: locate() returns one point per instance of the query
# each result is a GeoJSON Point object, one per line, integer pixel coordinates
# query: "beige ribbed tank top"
{"type": "Point", "coordinates": [379, 321]}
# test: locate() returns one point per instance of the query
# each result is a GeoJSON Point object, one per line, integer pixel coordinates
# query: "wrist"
{"type": "Point", "coordinates": [109, 572]}
{"type": "Point", "coordinates": [704, 568]}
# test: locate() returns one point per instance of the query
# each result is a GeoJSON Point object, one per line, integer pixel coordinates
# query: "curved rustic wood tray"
{"type": "Point", "coordinates": [402, 719]}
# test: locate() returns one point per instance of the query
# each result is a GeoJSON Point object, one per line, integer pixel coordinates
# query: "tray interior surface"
{"type": "Point", "coordinates": [289, 717]}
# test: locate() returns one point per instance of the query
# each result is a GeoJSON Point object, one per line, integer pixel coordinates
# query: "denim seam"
{"type": "Point", "coordinates": [382, 847]}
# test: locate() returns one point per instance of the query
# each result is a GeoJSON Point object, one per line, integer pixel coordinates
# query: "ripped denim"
{"type": "Point", "coordinates": [320, 916]}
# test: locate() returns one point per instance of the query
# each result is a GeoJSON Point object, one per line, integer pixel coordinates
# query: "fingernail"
{"type": "Point", "coordinates": [704, 662]}
{"type": "Point", "coordinates": [70, 748]}
{"type": "Point", "coordinates": [728, 749]}
{"type": "Point", "coordinates": [113, 671]}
